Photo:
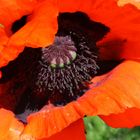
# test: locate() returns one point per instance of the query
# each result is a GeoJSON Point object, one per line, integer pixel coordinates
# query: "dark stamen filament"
{"type": "Point", "coordinates": [63, 81]}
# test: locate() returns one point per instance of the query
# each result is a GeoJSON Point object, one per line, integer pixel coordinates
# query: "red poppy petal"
{"type": "Point", "coordinates": [118, 90]}
{"type": "Point", "coordinates": [3, 37]}
{"type": "Point", "coordinates": [40, 29]}
{"type": "Point", "coordinates": [74, 131]}
{"type": "Point", "coordinates": [129, 118]}
{"type": "Point", "coordinates": [110, 94]}
{"type": "Point", "coordinates": [3, 41]}
{"type": "Point", "coordinates": [38, 32]}
{"type": "Point", "coordinates": [10, 128]}
{"type": "Point", "coordinates": [11, 10]}
{"type": "Point", "coordinates": [9, 53]}
{"type": "Point", "coordinates": [125, 34]}
{"type": "Point", "coordinates": [48, 123]}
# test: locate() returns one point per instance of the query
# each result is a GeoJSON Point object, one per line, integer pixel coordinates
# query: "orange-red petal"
{"type": "Point", "coordinates": [3, 42]}
{"type": "Point", "coordinates": [125, 34]}
{"type": "Point", "coordinates": [41, 27]}
{"type": "Point", "coordinates": [12, 10]}
{"type": "Point", "coordinates": [39, 31]}
{"type": "Point", "coordinates": [3, 38]}
{"type": "Point", "coordinates": [10, 128]}
{"type": "Point", "coordinates": [112, 93]}
{"type": "Point", "coordinates": [129, 118]}
{"type": "Point", "coordinates": [74, 131]}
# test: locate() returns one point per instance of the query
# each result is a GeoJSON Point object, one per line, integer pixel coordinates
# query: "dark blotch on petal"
{"type": "Point", "coordinates": [18, 24]}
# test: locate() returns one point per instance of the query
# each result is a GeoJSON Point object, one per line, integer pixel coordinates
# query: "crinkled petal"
{"type": "Point", "coordinates": [10, 11]}
{"type": "Point", "coordinates": [38, 32]}
{"type": "Point", "coordinates": [112, 93]}
{"type": "Point", "coordinates": [10, 128]}
{"type": "Point", "coordinates": [40, 28]}
{"type": "Point", "coordinates": [74, 131]}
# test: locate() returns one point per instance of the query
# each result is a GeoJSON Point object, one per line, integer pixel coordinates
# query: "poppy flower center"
{"type": "Point", "coordinates": [64, 69]}
{"type": "Point", "coordinates": [61, 52]}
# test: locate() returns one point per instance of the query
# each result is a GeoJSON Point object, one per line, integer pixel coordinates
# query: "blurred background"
{"type": "Point", "coordinates": [96, 129]}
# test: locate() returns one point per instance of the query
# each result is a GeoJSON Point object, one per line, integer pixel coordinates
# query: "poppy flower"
{"type": "Point", "coordinates": [52, 57]}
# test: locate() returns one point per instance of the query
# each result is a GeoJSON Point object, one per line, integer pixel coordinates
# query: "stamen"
{"type": "Point", "coordinates": [65, 68]}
